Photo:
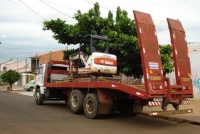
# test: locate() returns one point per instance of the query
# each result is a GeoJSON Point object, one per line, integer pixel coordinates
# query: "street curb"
{"type": "Point", "coordinates": [22, 92]}
{"type": "Point", "coordinates": [174, 119]}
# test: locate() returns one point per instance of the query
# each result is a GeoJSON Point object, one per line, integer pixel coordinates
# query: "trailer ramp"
{"type": "Point", "coordinates": [150, 55]}
{"type": "Point", "coordinates": [181, 61]}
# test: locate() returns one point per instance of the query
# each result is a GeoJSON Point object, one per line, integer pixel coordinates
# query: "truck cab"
{"type": "Point", "coordinates": [56, 72]}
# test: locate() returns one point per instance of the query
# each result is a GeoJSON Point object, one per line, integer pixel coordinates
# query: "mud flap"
{"type": "Point", "coordinates": [105, 101]}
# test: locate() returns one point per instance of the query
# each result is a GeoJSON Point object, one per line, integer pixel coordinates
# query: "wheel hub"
{"type": "Point", "coordinates": [89, 106]}
{"type": "Point", "coordinates": [74, 100]}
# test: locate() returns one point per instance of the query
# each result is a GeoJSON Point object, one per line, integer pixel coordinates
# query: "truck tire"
{"type": "Point", "coordinates": [126, 107]}
{"type": "Point", "coordinates": [76, 101]}
{"type": "Point", "coordinates": [38, 97]}
{"type": "Point", "coordinates": [91, 106]}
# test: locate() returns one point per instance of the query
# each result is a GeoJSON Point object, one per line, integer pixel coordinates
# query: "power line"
{"type": "Point", "coordinates": [100, 5]}
{"type": "Point", "coordinates": [61, 5]}
{"type": "Point", "coordinates": [115, 10]}
{"type": "Point", "coordinates": [128, 14]}
{"type": "Point", "coordinates": [32, 10]}
{"type": "Point", "coordinates": [56, 46]}
{"type": "Point", "coordinates": [22, 7]}
{"type": "Point", "coordinates": [56, 9]}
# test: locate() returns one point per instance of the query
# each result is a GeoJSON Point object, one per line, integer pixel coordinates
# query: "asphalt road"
{"type": "Point", "coordinates": [20, 115]}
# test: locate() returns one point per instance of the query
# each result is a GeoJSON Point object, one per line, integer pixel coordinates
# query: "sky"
{"type": "Point", "coordinates": [21, 21]}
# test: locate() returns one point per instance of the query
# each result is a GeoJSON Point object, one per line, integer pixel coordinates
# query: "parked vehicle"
{"type": "Point", "coordinates": [86, 87]}
{"type": "Point", "coordinates": [30, 85]}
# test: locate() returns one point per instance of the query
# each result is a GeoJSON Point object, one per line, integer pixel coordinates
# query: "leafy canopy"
{"type": "Point", "coordinates": [120, 30]}
{"type": "Point", "coordinates": [10, 77]}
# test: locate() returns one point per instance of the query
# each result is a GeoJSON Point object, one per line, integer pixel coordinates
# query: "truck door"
{"type": "Point", "coordinates": [40, 76]}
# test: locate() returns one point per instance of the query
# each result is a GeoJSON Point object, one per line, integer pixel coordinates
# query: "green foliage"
{"type": "Point", "coordinates": [10, 77]}
{"type": "Point", "coordinates": [67, 53]}
{"type": "Point", "coordinates": [121, 32]}
{"type": "Point", "coordinates": [165, 52]}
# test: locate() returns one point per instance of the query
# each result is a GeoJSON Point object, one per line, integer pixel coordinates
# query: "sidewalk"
{"type": "Point", "coordinates": [17, 89]}
{"type": "Point", "coordinates": [193, 118]}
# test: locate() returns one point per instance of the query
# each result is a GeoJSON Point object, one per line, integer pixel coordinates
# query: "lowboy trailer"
{"type": "Point", "coordinates": [100, 95]}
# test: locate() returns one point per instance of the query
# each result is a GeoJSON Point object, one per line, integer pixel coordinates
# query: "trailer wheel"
{"type": "Point", "coordinates": [38, 97]}
{"type": "Point", "coordinates": [91, 106]}
{"type": "Point", "coordinates": [76, 101]}
{"type": "Point", "coordinates": [126, 107]}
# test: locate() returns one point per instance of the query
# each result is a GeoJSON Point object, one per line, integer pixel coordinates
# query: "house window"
{"type": "Point", "coordinates": [4, 69]}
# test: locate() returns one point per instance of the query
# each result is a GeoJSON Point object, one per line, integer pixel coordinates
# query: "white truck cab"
{"type": "Point", "coordinates": [42, 93]}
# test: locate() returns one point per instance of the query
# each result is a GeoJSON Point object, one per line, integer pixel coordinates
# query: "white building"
{"type": "Point", "coordinates": [21, 67]}
{"type": "Point", "coordinates": [194, 53]}
{"type": "Point", "coordinates": [4, 64]}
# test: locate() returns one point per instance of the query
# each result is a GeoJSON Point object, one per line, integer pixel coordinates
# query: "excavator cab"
{"type": "Point", "coordinates": [93, 56]}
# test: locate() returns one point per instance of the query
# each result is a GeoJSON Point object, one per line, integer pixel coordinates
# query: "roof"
{"type": "Point", "coordinates": [39, 55]}
{"type": "Point", "coordinates": [25, 68]}
{"type": "Point", "coordinates": [13, 62]}
{"type": "Point", "coordinates": [8, 61]}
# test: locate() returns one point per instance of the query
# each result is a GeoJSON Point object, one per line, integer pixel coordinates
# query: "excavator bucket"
{"type": "Point", "coordinates": [180, 57]}
{"type": "Point", "coordinates": [150, 55]}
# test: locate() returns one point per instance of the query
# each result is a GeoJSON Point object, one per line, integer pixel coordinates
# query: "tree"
{"type": "Point", "coordinates": [10, 77]}
{"type": "Point", "coordinates": [121, 32]}
{"type": "Point", "coordinates": [165, 51]}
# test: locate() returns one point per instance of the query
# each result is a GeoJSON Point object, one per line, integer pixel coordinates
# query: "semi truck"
{"type": "Point", "coordinates": [89, 84]}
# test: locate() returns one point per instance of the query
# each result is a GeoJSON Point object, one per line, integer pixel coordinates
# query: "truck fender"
{"type": "Point", "coordinates": [40, 88]}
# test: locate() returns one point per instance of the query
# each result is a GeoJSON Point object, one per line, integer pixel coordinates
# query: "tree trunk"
{"type": "Point", "coordinates": [10, 86]}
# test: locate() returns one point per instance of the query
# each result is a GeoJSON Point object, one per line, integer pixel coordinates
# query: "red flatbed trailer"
{"type": "Point", "coordinates": [97, 95]}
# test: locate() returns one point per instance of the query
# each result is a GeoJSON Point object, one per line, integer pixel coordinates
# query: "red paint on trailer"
{"type": "Point", "coordinates": [181, 58]}
{"type": "Point", "coordinates": [150, 56]}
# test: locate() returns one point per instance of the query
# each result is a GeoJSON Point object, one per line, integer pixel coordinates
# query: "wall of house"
{"type": "Point", "coordinates": [44, 58]}
{"type": "Point", "coordinates": [57, 55]}
{"type": "Point", "coordinates": [15, 65]}
{"type": "Point", "coordinates": [194, 53]}
{"type": "Point", "coordinates": [2, 65]}
{"type": "Point", "coordinates": [22, 69]}
{"type": "Point", "coordinates": [26, 77]}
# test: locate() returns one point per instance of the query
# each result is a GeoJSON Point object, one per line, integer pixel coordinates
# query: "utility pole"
{"type": "Point", "coordinates": [26, 64]}
{"type": "Point", "coordinates": [5, 68]}
{"type": "Point", "coordinates": [50, 55]}
{"type": "Point", "coordinates": [36, 62]}
{"type": "Point", "coordinates": [17, 64]}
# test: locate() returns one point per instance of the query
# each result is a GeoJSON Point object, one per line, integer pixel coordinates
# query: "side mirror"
{"type": "Point", "coordinates": [49, 66]}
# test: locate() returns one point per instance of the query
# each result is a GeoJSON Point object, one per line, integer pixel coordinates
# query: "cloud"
{"type": "Point", "coordinates": [2, 36]}
{"type": "Point", "coordinates": [21, 31]}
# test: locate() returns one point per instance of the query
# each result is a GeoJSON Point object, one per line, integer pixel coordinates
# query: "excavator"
{"type": "Point", "coordinates": [97, 62]}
